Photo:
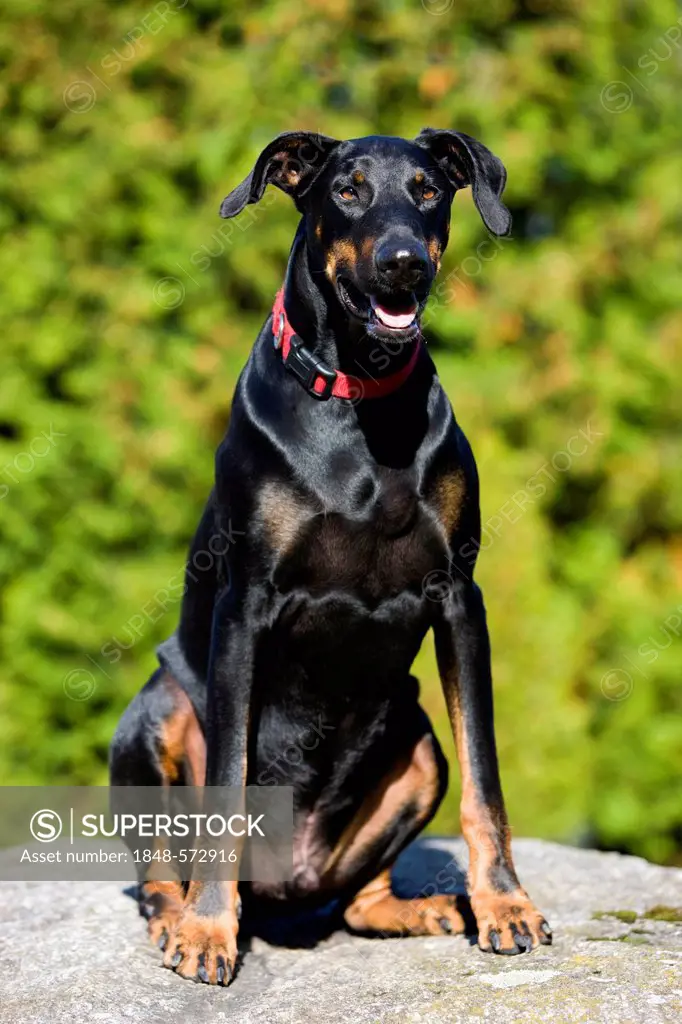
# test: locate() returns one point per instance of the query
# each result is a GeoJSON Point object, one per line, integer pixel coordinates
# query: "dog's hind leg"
{"type": "Point", "coordinates": [388, 819]}
{"type": "Point", "coordinates": [159, 742]}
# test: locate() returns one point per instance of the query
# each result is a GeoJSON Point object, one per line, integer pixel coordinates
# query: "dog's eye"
{"type": "Point", "coordinates": [348, 193]}
{"type": "Point", "coordinates": [429, 192]}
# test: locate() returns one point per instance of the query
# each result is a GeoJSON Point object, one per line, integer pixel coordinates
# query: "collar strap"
{"type": "Point", "coordinates": [318, 379]}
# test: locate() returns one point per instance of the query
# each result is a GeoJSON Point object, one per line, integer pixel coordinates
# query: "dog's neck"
{"type": "Point", "coordinates": [326, 329]}
{"type": "Point", "coordinates": [393, 428]}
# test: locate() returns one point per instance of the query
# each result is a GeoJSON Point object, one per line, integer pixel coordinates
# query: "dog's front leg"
{"type": "Point", "coordinates": [507, 920]}
{"type": "Point", "coordinates": [203, 945]}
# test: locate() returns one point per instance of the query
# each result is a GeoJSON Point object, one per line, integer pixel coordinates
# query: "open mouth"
{"type": "Point", "coordinates": [384, 313]}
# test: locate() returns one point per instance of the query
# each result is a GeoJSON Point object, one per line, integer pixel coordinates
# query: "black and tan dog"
{"type": "Point", "coordinates": [348, 488]}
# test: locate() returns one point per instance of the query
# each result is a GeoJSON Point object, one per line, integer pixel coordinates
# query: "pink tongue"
{"type": "Point", "coordinates": [390, 319]}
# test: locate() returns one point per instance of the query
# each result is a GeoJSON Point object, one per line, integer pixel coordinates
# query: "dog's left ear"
{"type": "Point", "coordinates": [468, 162]}
{"type": "Point", "coordinates": [292, 161]}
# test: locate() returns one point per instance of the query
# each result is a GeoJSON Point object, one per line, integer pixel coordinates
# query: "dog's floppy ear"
{"type": "Point", "coordinates": [292, 161]}
{"type": "Point", "coordinates": [468, 162]}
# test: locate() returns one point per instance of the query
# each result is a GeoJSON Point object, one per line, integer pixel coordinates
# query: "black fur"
{"type": "Point", "coordinates": [329, 516]}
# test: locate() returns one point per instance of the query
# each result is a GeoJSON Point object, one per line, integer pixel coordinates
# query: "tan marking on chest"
{"type": "Point", "coordinates": [283, 513]}
{"type": "Point", "coordinates": [450, 491]}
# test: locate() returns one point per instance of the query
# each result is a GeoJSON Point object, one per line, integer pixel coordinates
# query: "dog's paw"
{"type": "Point", "coordinates": [433, 915]}
{"type": "Point", "coordinates": [161, 904]}
{"type": "Point", "coordinates": [203, 948]}
{"type": "Point", "coordinates": [509, 923]}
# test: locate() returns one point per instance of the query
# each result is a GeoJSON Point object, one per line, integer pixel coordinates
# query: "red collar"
{"type": "Point", "coordinates": [320, 380]}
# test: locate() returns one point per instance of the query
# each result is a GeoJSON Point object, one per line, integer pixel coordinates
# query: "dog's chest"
{"type": "Point", "coordinates": [379, 540]}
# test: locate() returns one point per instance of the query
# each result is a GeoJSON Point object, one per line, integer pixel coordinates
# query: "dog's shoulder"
{"type": "Point", "coordinates": [451, 486]}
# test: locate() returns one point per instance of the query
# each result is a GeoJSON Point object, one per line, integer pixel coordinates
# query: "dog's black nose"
{"type": "Point", "coordinates": [402, 263]}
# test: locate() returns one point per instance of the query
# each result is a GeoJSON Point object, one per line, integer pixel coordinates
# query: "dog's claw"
{"type": "Point", "coordinates": [163, 939]}
{"type": "Point", "coordinates": [495, 940]}
{"type": "Point", "coordinates": [522, 939]}
{"type": "Point", "coordinates": [546, 940]}
{"type": "Point", "coordinates": [445, 925]}
{"type": "Point", "coordinates": [176, 959]}
{"type": "Point", "coordinates": [202, 973]}
{"type": "Point", "coordinates": [224, 973]}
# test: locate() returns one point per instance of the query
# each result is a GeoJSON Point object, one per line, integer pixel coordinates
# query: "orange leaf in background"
{"type": "Point", "coordinates": [436, 82]}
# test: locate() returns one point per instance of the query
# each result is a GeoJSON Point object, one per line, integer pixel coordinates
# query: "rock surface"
{"type": "Point", "coordinates": [77, 952]}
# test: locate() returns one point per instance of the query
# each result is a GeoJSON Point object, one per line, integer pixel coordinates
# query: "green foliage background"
{"type": "Point", "coordinates": [123, 125]}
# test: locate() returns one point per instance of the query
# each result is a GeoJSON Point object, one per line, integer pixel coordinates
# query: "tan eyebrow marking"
{"type": "Point", "coordinates": [358, 177]}
{"type": "Point", "coordinates": [419, 177]}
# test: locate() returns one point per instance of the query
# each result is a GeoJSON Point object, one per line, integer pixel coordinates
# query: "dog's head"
{"type": "Point", "coordinates": [377, 213]}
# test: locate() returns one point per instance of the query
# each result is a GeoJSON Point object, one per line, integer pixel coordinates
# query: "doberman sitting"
{"type": "Point", "coordinates": [350, 492]}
